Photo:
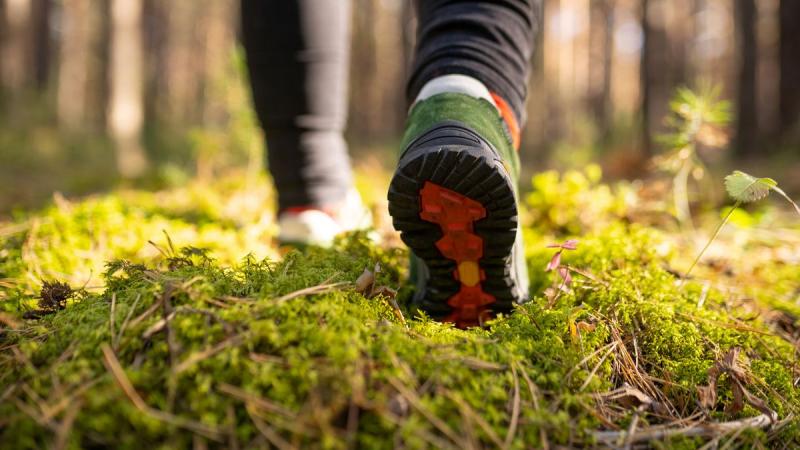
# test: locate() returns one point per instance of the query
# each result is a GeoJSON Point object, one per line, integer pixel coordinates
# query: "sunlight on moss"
{"type": "Point", "coordinates": [218, 350]}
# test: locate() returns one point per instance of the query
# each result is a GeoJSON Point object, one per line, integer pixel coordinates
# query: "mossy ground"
{"type": "Point", "coordinates": [171, 348]}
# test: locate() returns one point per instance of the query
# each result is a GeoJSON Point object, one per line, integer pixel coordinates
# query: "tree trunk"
{"type": "Point", "coordinates": [746, 122]}
{"type": "Point", "coordinates": [14, 54]}
{"type": "Point", "coordinates": [790, 70]}
{"type": "Point", "coordinates": [125, 109]}
{"type": "Point", "coordinates": [601, 60]}
{"type": "Point", "coordinates": [647, 74]}
{"type": "Point", "coordinates": [73, 73]}
{"type": "Point", "coordinates": [40, 43]}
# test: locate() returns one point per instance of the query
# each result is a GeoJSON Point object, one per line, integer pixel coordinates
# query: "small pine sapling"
{"type": "Point", "coordinates": [698, 118]}
{"type": "Point", "coordinates": [743, 188]}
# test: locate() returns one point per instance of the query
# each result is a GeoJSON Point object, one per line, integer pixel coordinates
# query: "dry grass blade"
{"type": "Point", "coordinates": [474, 416]}
{"type": "Point", "coordinates": [248, 397]}
{"type": "Point", "coordinates": [112, 364]}
{"type": "Point", "coordinates": [147, 313]}
{"type": "Point", "coordinates": [515, 401]}
{"type": "Point", "coordinates": [67, 401]}
{"type": "Point", "coordinates": [414, 400]}
{"type": "Point", "coordinates": [111, 315]}
{"type": "Point", "coordinates": [274, 438]}
{"type": "Point", "coordinates": [633, 375]}
{"type": "Point", "coordinates": [209, 352]}
{"type": "Point", "coordinates": [125, 322]}
{"type": "Point", "coordinates": [534, 392]}
{"type": "Point", "coordinates": [62, 433]}
{"type": "Point", "coordinates": [431, 438]}
{"type": "Point", "coordinates": [10, 321]}
{"type": "Point", "coordinates": [595, 369]}
{"type": "Point", "coordinates": [319, 289]}
{"type": "Point", "coordinates": [158, 326]}
{"type": "Point", "coordinates": [473, 363]}
{"type": "Point", "coordinates": [8, 230]}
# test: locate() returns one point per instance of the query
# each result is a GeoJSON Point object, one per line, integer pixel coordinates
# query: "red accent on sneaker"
{"type": "Point", "coordinates": [508, 116]}
{"type": "Point", "coordinates": [455, 214]}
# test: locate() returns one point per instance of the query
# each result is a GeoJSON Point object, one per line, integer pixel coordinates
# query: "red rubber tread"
{"type": "Point", "coordinates": [455, 215]}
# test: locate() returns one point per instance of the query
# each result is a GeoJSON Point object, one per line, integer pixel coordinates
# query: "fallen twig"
{"type": "Point", "coordinates": [703, 430]}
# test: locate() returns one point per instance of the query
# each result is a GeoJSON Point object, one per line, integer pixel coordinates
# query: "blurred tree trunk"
{"type": "Point", "coordinates": [39, 35]}
{"type": "Point", "coordinates": [73, 73]}
{"type": "Point", "coordinates": [746, 121]}
{"type": "Point", "coordinates": [790, 70]}
{"type": "Point", "coordinates": [14, 52]}
{"type": "Point", "coordinates": [156, 32]}
{"type": "Point", "coordinates": [185, 61]}
{"type": "Point", "coordinates": [125, 109]}
{"type": "Point", "coordinates": [601, 58]}
{"type": "Point", "coordinates": [364, 70]}
{"type": "Point", "coordinates": [653, 69]}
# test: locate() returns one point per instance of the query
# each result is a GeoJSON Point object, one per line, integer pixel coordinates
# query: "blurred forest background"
{"type": "Point", "coordinates": [95, 92]}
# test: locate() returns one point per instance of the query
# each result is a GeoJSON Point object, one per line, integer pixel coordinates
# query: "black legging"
{"type": "Point", "coordinates": [298, 56]}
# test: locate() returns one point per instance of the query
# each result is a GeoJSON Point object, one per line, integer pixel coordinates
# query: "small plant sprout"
{"type": "Point", "coordinates": [743, 188]}
{"type": "Point", "coordinates": [698, 118]}
{"type": "Point", "coordinates": [553, 292]}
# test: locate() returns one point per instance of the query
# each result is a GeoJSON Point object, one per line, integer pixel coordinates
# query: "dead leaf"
{"type": "Point", "coordinates": [729, 364]}
{"type": "Point", "coordinates": [629, 397]}
{"type": "Point", "coordinates": [385, 291]}
{"type": "Point", "coordinates": [586, 326]}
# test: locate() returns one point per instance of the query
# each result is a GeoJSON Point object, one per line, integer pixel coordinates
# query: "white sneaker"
{"type": "Point", "coordinates": [318, 227]}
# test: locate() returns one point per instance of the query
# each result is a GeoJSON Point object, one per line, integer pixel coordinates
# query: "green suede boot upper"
{"type": "Point", "coordinates": [476, 113]}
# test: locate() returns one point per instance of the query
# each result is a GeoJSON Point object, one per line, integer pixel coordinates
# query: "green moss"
{"type": "Point", "coordinates": [335, 368]}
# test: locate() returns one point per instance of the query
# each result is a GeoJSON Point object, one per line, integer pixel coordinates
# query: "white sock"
{"type": "Point", "coordinates": [460, 84]}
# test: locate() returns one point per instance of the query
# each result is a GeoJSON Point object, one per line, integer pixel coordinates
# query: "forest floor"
{"type": "Point", "coordinates": [170, 319]}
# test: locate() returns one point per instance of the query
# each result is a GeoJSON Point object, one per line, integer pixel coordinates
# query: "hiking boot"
{"type": "Point", "coordinates": [454, 200]}
{"type": "Point", "coordinates": [304, 226]}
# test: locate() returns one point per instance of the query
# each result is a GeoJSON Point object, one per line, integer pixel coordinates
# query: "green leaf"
{"type": "Point", "coordinates": [747, 188]}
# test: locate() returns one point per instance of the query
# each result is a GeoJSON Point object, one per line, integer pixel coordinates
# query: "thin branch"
{"type": "Point", "coordinates": [703, 430]}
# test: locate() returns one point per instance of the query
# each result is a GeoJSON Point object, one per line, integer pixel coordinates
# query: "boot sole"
{"type": "Point", "coordinates": [454, 203]}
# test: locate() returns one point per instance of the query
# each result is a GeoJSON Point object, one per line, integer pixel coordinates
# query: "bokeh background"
{"type": "Point", "coordinates": [100, 93]}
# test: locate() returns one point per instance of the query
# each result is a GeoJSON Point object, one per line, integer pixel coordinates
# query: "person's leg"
{"type": "Point", "coordinates": [297, 57]}
{"type": "Point", "coordinates": [454, 194]}
{"type": "Point", "coordinates": [491, 41]}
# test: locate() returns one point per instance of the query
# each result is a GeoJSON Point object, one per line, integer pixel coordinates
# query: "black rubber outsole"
{"type": "Point", "coordinates": [452, 156]}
